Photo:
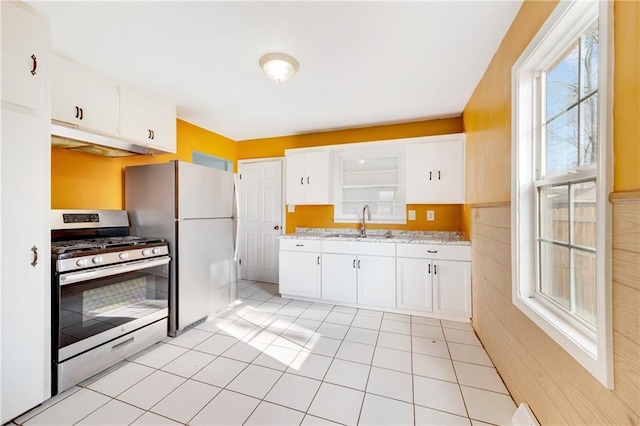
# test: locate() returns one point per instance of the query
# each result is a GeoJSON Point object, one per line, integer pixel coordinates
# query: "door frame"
{"type": "Point", "coordinates": [283, 219]}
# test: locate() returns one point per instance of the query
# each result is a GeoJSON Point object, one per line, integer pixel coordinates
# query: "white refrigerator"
{"type": "Point", "coordinates": [194, 207]}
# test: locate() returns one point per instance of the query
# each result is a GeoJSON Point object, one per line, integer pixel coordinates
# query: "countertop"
{"type": "Point", "coordinates": [379, 236]}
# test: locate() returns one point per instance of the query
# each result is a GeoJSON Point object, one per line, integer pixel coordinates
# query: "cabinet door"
{"type": "Point", "coordinates": [376, 280]}
{"type": "Point", "coordinates": [414, 284]}
{"type": "Point", "coordinates": [339, 277]}
{"type": "Point", "coordinates": [83, 97]}
{"type": "Point", "coordinates": [448, 174]}
{"type": "Point", "coordinates": [316, 172]}
{"type": "Point", "coordinates": [435, 171]}
{"type": "Point", "coordinates": [296, 175]}
{"type": "Point", "coordinates": [25, 299]}
{"type": "Point", "coordinates": [24, 67]}
{"type": "Point", "coordinates": [419, 162]}
{"type": "Point", "coordinates": [452, 288]}
{"type": "Point", "coordinates": [300, 273]}
{"type": "Point", "coordinates": [147, 120]}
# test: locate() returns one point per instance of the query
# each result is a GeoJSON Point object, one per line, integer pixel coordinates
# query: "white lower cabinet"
{"type": "Point", "coordinates": [434, 278]}
{"type": "Point", "coordinates": [300, 268]}
{"type": "Point", "coordinates": [339, 276]}
{"type": "Point", "coordinates": [360, 272]}
{"type": "Point", "coordinates": [414, 284]}
{"type": "Point", "coordinates": [451, 288]}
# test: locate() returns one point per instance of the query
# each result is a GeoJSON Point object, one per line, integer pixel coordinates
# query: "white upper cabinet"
{"type": "Point", "coordinates": [435, 170]}
{"type": "Point", "coordinates": [24, 56]}
{"type": "Point", "coordinates": [306, 177]}
{"type": "Point", "coordinates": [147, 120]}
{"type": "Point", "coordinates": [83, 97]}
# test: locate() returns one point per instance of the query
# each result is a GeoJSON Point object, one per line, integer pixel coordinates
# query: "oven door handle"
{"type": "Point", "coordinates": [107, 271]}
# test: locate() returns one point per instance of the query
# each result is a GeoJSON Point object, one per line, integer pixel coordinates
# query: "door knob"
{"type": "Point", "coordinates": [276, 227]}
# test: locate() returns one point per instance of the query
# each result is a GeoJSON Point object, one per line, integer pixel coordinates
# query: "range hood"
{"type": "Point", "coordinates": [80, 140]}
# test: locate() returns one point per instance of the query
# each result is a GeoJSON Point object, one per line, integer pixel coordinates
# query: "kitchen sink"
{"type": "Point", "coordinates": [358, 236]}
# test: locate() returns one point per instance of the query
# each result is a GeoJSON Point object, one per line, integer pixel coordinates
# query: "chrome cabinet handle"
{"type": "Point", "coordinates": [81, 113]}
{"type": "Point", "coordinates": [438, 174]}
{"type": "Point", "coordinates": [302, 181]}
{"type": "Point", "coordinates": [34, 66]}
{"type": "Point", "coordinates": [435, 269]}
{"type": "Point", "coordinates": [34, 249]}
{"type": "Point", "coordinates": [430, 175]}
{"type": "Point", "coordinates": [299, 245]}
{"type": "Point", "coordinates": [354, 264]}
{"type": "Point", "coordinates": [432, 251]}
{"type": "Point", "coordinates": [77, 112]}
{"type": "Point", "coordinates": [318, 260]}
{"type": "Point", "coordinates": [358, 263]}
{"type": "Point", "coordinates": [429, 271]}
{"type": "Point", "coordinates": [308, 181]}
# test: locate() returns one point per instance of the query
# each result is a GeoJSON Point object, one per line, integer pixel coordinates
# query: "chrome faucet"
{"type": "Point", "coordinates": [363, 228]}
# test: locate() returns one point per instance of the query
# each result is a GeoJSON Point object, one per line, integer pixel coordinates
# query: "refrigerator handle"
{"type": "Point", "coordinates": [236, 243]}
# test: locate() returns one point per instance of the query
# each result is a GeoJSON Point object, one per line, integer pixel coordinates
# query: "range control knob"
{"type": "Point", "coordinates": [146, 252]}
{"type": "Point", "coordinates": [97, 260]}
{"type": "Point", "coordinates": [124, 255]}
{"type": "Point", "coordinates": [156, 250]}
{"type": "Point", "coordinates": [82, 262]}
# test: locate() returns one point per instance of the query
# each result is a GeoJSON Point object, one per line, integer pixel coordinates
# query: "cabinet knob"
{"type": "Point", "coordinates": [34, 65]}
{"type": "Point", "coordinates": [34, 249]}
{"type": "Point", "coordinates": [277, 227]}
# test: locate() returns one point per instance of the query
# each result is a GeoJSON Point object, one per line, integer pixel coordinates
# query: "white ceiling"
{"type": "Point", "coordinates": [361, 63]}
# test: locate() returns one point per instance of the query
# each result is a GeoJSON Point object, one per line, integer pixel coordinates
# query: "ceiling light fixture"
{"type": "Point", "coordinates": [279, 67]}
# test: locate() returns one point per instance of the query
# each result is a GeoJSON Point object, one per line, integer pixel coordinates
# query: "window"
{"type": "Point", "coordinates": [371, 176]}
{"type": "Point", "coordinates": [211, 161]}
{"type": "Point", "coordinates": [561, 181]}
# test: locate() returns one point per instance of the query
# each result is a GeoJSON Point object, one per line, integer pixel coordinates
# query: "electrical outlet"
{"type": "Point", "coordinates": [412, 215]}
{"type": "Point", "coordinates": [291, 208]}
{"type": "Point", "coordinates": [431, 215]}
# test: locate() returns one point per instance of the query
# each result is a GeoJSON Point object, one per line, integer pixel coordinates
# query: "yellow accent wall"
{"type": "Point", "coordinates": [626, 96]}
{"type": "Point", "coordinates": [448, 217]}
{"type": "Point", "coordinates": [274, 147]}
{"type": "Point", "coordinates": [80, 180]}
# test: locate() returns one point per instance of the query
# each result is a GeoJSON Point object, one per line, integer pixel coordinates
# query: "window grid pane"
{"type": "Point", "coordinates": [566, 247]}
{"type": "Point", "coordinates": [570, 108]}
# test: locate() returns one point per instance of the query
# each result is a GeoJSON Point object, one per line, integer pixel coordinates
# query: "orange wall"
{"type": "Point", "coordinates": [447, 216]}
{"type": "Point", "coordinates": [487, 116]}
{"type": "Point", "coordinates": [274, 147]}
{"type": "Point", "coordinates": [626, 96]}
{"type": "Point", "coordinates": [81, 180]}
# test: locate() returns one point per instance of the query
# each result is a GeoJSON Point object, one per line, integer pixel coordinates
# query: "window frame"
{"type": "Point", "coordinates": [566, 23]}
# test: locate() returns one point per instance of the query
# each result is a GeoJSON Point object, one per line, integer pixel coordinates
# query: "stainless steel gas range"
{"type": "Point", "coordinates": [110, 293]}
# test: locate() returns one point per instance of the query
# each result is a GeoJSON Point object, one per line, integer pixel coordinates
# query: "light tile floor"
{"type": "Point", "coordinates": [274, 361]}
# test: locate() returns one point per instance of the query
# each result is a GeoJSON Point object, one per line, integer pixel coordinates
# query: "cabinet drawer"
{"type": "Point", "coordinates": [434, 251]}
{"type": "Point", "coordinates": [300, 245]}
{"type": "Point", "coordinates": [355, 248]}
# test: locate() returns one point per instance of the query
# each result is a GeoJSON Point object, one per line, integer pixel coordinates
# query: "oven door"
{"type": "Point", "coordinates": [101, 304]}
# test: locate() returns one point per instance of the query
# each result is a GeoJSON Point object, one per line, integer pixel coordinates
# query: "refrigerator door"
{"type": "Point", "coordinates": [204, 192]}
{"type": "Point", "coordinates": [206, 270]}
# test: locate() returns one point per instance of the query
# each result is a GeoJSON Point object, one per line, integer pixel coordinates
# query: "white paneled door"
{"type": "Point", "coordinates": [260, 184]}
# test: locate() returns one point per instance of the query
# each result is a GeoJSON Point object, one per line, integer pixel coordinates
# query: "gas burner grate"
{"type": "Point", "coordinates": [93, 244]}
